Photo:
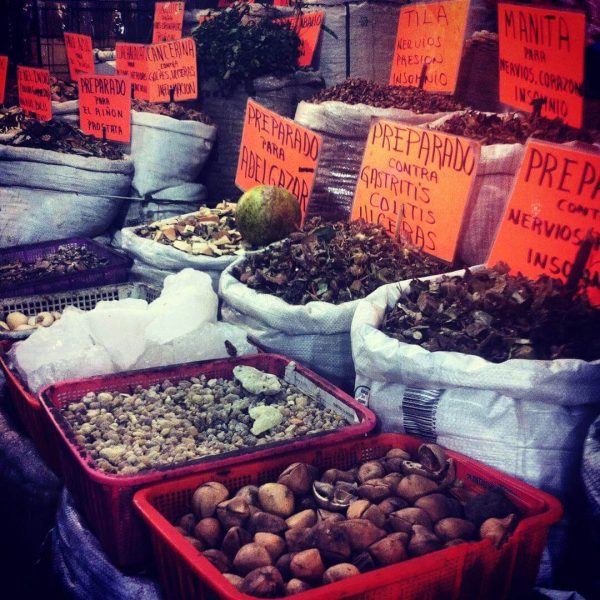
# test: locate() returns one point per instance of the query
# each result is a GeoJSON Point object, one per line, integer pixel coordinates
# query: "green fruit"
{"type": "Point", "coordinates": [266, 214]}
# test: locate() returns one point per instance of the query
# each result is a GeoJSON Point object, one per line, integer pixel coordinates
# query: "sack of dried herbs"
{"type": "Point", "coordinates": [65, 100]}
{"type": "Point", "coordinates": [342, 116]}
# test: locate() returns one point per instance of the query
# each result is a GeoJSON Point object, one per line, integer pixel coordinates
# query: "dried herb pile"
{"type": "Point", "coordinates": [11, 119]}
{"type": "Point", "coordinates": [61, 91]}
{"type": "Point", "coordinates": [66, 259]}
{"type": "Point", "coordinates": [171, 109]}
{"type": "Point", "coordinates": [235, 48]}
{"type": "Point", "coordinates": [497, 316]}
{"type": "Point", "coordinates": [63, 137]}
{"type": "Point", "coordinates": [333, 262]}
{"type": "Point", "coordinates": [513, 128]}
{"type": "Point", "coordinates": [209, 232]}
{"type": "Point", "coordinates": [361, 91]}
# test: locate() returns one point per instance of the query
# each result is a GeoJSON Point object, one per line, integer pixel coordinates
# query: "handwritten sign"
{"type": "Point", "coordinates": [131, 62]}
{"type": "Point", "coordinates": [105, 106]}
{"type": "Point", "coordinates": [415, 183]}
{"type": "Point", "coordinates": [80, 55]}
{"type": "Point", "coordinates": [429, 45]}
{"type": "Point", "coordinates": [541, 57]}
{"type": "Point", "coordinates": [276, 151]}
{"type": "Point", "coordinates": [172, 70]}
{"type": "Point", "coordinates": [3, 71]}
{"type": "Point", "coordinates": [168, 21]}
{"type": "Point", "coordinates": [554, 203]}
{"type": "Point", "coordinates": [308, 28]}
{"type": "Point", "coordinates": [34, 92]}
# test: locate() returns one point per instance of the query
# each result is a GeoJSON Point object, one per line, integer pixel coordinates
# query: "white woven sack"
{"type": "Point", "coordinates": [46, 195]}
{"type": "Point", "coordinates": [66, 111]}
{"type": "Point", "coordinates": [167, 152]}
{"type": "Point", "coordinates": [345, 129]}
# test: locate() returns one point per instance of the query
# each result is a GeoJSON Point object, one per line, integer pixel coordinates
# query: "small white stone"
{"type": "Point", "coordinates": [265, 418]}
{"type": "Point", "coordinates": [256, 382]}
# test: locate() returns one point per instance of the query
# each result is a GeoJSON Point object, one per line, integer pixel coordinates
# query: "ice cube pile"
{"type": "Point", "coordinates": [179, 326]}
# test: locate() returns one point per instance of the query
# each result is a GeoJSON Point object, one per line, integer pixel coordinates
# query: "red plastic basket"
{"type": "Point", "coordinates": [470, 570]}
{"type": "Point", "coordinates": [106, 499]}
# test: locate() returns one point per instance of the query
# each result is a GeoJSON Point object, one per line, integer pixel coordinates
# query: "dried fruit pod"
{"type": "Point", "coordinates": [249, 493]}
{"type": "Point", "coordinates": [412, 487]}
{"type": "Point", "coordinates": [392, 479]}
{"type": "Point", "coordinates": [306, 502]}
{"type": "Point", "coordinates": [398, 453]}
{"type": "Point", "coordinates": [298, 477]}
{"type": "Point", "coordinates": [331, 541]}
{"type": "Point", "coordinates": [233, 513]}
{"type": "Point", "coordinates": [363, 509]}
{"type": "Point", "coordinates": [423, 541]}
{"type": "Point", "coordinates": [296, 586]}
{"type": "Point", "coordinates": [207, 497]}
{"type": "Point", "coordinates": [264, 521]}
{"type": "Point", "coordinates": [273, 543]}
{"type": "Point", "coordinates": [209, 531]}
{"type": "Point", "coordinates": [452, 528]}
{"type": "Point", "coordinates": [234, 539]}
{"type": "Point", "coordinates": [187, 522]}
{"type": "Point", "coordinates": [250, 557]}
{"type": "Point", "coordinates": [4, 326]}
{"type": "Point", "coordinates": [498, 530]}
{"type": "Point", "coordinates": [194, 542]}
{"type": "Point", "coordinates": [331, 476]}
{"type": "Point", "coordinates": [405, 518]}
{"type": "Point", "coordinates": [307, 565]}
{"type": "Point", "coordinates": [218, 559]}
{"type": "Point", "coordinates": [372, 469]}
{"type": "Point", "coordinates": [410, 467]}
{"type": "Point", "coordinates": [492, 503]}
{"type": "Point", "coordinates": [277, 499]}
{"type": "Point", "coordinates": [432, 457]}
{"type": "Point", "coordinates": [305, 518]}
{"type": "Point", "coordinates": [24, 327]}
{"type": "Point", "coordinates": [392, 504]}
{"type": "Point", "coordinates": [235, 580]}
{"type": "Point", "coordinates": [364, 562]}
{"type": "Point", "coordinates": [437, 506]}
{"type": "Point", "coordinates": [360, 533]}
{"type": "Point", "coordinates": [283, 564]}
{"type": "Point", "coordinates": [375, 490]}
{"type": "Point", "coordinates": [14, 319]}
{"type": "Point", "coordinates": [263, 582]}
{"type": "Point", "coordinates": [44, 319]}
{"type": "Point", "coordinates": [328, 515]}
{"type": "Point", "coordinates": [339, 572]}
{"type": "Point", "coordinates": [298, 539]}
{"type": "Point", "coordinates": [389, 550]}
{"type": "Point", "coordinates": [448, 475]}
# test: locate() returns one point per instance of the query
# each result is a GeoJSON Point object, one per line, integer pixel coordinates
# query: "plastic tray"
{"type": "Point", "coordinates": [116, 271]}
{"type": "Point", "coordinates": [106, 499]}
{"type": "Point", "coordinates": [470, 570]}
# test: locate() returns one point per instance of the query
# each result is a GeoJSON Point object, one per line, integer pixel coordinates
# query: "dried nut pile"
{"type": "Point", "coordinates": [11, 119]}
{"type": "Point", "coordinates": [61, 91]}
{"type": "Point", "coordinates": [65, 138]}
{"type": "Point", "coordinates": [305, 531]}
{"type": "Point", "coordinates": [171, 109]}
{"type": "Point", "coordinates": [209, 232]}
{"type": "Point", "coordinates": [172, 423]}
{"type": "Point", "coordinates": [361, 91]}
{"type": "Point", "coordinates": [18, 321]}
{"type": "Point", "coordinates": [497, 316]}
{"type": "Point", "coordinates": [513, 128]}
{"type": "Point", "coordinates": [333, 262]}
{"type": "Point", "coordinates": [64, 260]}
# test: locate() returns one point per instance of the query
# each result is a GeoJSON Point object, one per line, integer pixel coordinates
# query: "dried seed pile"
{"type": "Point", "coordinates": [63, 137]}
{"type": "Point", "coordinates": [171, 109]}
{"type": "Point", "coordinates": [497, 316]}
{"type": "Point", "coordinates": [173, 423]}
{"type": "Point", "coordinates": [361, 91]}
{"type": "Point", "coordinates": [61, 91]}
{"type": "Point", "coordinates": [65, 259]}
{"type": "Point", "coordinates": [208, 232]}
{"type": "Point", "coordinates": [333, 262]}
{"type": "Point", "coordinates": [513, 128]}
{"type": "Point", "coordinates": [309, 529]}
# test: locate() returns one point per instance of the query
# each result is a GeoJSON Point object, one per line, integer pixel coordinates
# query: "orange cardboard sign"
{"type": "Point", "coordinates": [34, 92]}
{"type": "Point", "coordinates": [554, 203]}
{"type": "Point", "coordinates": [541, 57]}
{"type": "Point", "coordinates": [80, 55]}
{"type": "Point", "coordinates": [172, 71]}
{"type": "Point", "coordinates": [168, 21]}
{"type": "Point", "coordinates": [105, 106]}
{"type": "Point", "coordinates": [416, 183]}
{"type": "Point", "coordinates": [3, 71]}
{"type": "Point", "coordinates": [429, 45]}
{"type": "Point", "coordinates": [308, 28]}
{"type": "Point", "coordinates": [276, 151]}
{"type": "Point", "coordinates": [131, 62]}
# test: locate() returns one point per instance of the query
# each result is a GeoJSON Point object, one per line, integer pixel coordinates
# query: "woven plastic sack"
{"type": "Point", "coordinates": [46, 195]}
{"type": "Point", "coordinates": [167, 152]}
{"type": "Point", "coordinates": [591, 468]}
{"type": "Point", "coordinates": [344, 129]}
{"type": "Point", "coordinates": [66, 111]}
{"type": "Point", "coordinates": [83, 569]}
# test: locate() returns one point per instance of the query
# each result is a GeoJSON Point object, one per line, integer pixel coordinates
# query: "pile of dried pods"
{"type": "Point", "coordinates": [178, 111]}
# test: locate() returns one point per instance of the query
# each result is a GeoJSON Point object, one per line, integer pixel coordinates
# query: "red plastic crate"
{"type": "Point", "coordinates": [470, 570]}
{"type": "Point", "coordinates": [106, 499]}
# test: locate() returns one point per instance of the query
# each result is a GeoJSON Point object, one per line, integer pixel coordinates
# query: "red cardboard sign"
{"type": "Point", "coordinates": [3, 71]}
{"type": "Point", "coordinates": [308, 28]}
{"type": "Point", "coordinates": [416, 183]}
{"type": "Point", "coordinates": [131, 62]}
{"type": "Point", "coordinates": [276, 151]}
{"type": "Point", "coordinates": [80, 55]}
{"type": "Point", "coordinates": [168, 21]}
{"type": "Point", "coordinates": [34, 92]}
{"type": "Point", "coordinates": [105, 106]}
{"type": "Point", "coordinates": [542, 56]}
{"type": "Point", "coordinates": [172, 66]}
{"type": "Point", "coordinates": [554, 203]}
{"type": "Point", "coordinates": [430, 36]}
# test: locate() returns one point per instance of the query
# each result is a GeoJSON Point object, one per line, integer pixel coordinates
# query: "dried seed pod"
{"type": "Point", "coordinates": [331, 541]}
{"type": "Point", "coordinates": [363, 509]}
{"type": "Point", "coordinates": [389, 550]}
{"type": "Point", "coordinates": [187, 522]}
{"type": "Point", "coordinates": [392, 479]}
{"type": "Point", "coordinates": [410, 467]}
{"type": "Point", "coordinates": [372, 469]}
{"type": "Point", "coordinates": [209, 531]}
{"type": "Point", "coordinates": [218, 559]}
{"type": "Point", "coordinates": [233, 513]}
{"type": "Point", "coordinates": [432, 457]}
{"type": "Point", "coordinates": [364, 562]}
{"type": "Point", "coordinates": [306, 502]}
{"type": "Point", "coordinates": [447, 477]}
{"type": "Point", "coordinates": [234, 539]}
{"type": "Point", "coordinates": [264, 521]}
{"type": "Point", "coordinates": [412, 487]}
{"type": "Point", "coordinates": [283, 564]}
{"type": "Point", "coordinates": [375, 490]}
{"type": "Point", "coordinates": [194, 542]}
{"type": "Point", "coordinates": [263, 582]}
{"type": "Point", "coordinates": [398, 453]}
{"type": "Point", "coordinates": [277, 499]}
{"type": "Point", "coordinates": [392, 504]}
{"type": "Point", "coordinates": [298, 477]}
{"type": "Point", "coordinates": [298, 539]}
{"type": "Point", "coordinates": [331, 476]}
{"type": "Point", "coordinates": [437, 506]}
{"type": "Point", "coordinates": [250, 557]}
{"type": "Point", "coordinates": [206, 498]}
{"type": "Point", "coordinates": [249, 493]}
{"type": "Point", "coordinates": [346, 487]}
{"type": "Point", "coordinates": [273, 543]}
{"type": "Point", "coordinates": [360, 533]}
{"type": "Point", "coordinates": [498, 530]}
{"type": "Point", "coordinates": [235, 580]}
{"type": "Point", "coordinates": [405, 518]}
{"type": "Point", "coordinates": [307, 565]}
{"type": "Point", "coordinates": [452, 528]}
{"type": "Point", "coordinates": [339, 572]}
{"type": "Point", "coordinates": [328, 515]}
{"type": "Point", "coordinates": [305, 518]}
{"type": "Point", "coordinates": [296, 586]}
{"type": "Point", "coordinates": [423, 541]}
